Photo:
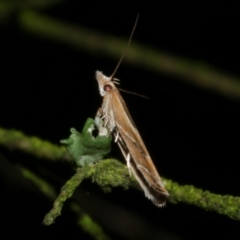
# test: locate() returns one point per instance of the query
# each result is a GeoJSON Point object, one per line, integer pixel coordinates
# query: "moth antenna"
{"type": "Point", "coordinates": [133, 93]}
{"type": "Point", "coordinates": [129, 41]}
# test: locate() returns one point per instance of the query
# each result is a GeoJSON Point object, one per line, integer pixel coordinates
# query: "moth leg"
{"type": "Point", "coordinates": [99, 113]}
{"type": "Point", "coordinates": [128, 164]}
{"type": "Point", "coordinates": [124, 151]}
{"type": "Point", "coordinates": [103, 117]}
{"type": "Point", "coordinates": [116, 136]}
{"type": "Point", "coordinates": [127, 158]}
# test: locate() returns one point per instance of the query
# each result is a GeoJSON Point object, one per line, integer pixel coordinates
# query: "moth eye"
{"type": "Point", "coordinates": [107, 87]}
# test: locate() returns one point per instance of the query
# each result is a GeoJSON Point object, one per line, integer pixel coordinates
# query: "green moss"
{"type": "Point", "coordinates": [111, 173]}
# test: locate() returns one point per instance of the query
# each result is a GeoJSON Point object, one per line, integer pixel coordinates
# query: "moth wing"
{"type": "Point", "coordinates": [131, 141]}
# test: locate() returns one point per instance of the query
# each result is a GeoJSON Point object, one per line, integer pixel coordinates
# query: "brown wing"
{"type": "Point", "coordinates": [131, 141]}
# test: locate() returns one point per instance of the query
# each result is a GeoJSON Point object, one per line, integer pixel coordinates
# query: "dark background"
{"type": "Point", "coordinates": [191, 133]}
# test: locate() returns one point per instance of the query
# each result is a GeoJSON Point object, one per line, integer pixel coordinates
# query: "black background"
{"type": "Point", "coordinates": [191, 133]}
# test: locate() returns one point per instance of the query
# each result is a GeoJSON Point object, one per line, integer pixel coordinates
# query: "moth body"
{"type": "Point", "coordinates": [118, 120]}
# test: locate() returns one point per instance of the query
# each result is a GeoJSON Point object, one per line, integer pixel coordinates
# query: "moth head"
{"type": "Point", "coordinates": [105, 84]}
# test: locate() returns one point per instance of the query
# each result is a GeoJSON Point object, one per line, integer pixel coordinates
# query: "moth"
{"type": "Point", "coordinates": [118, 121]}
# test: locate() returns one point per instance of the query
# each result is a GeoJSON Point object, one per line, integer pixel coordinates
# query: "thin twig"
{"type": "Point", "coordinates": [194, 72]}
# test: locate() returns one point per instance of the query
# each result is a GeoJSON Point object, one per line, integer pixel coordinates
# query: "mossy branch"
{"type": "Point", "coordinates": [10, 7]}
{"type": "Point", "coordinates": [111, 173]}
{"type": "Point", "coordinates": [88, 225]}
{"type": "Point", "coordinates": [194, 72]}
{"type": "Point", "coordinates": [107, 174]}
{"type": "Point", "coordinates": [84, 220]}
{"type": "Point", "coordinates": [222, 204]}
{"type": "Point", "coordinates": [66, 192]}
{"type": "Point", "coordinates": [13, 5]}
{"type": "Point", "coordinates": [16, 140]}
